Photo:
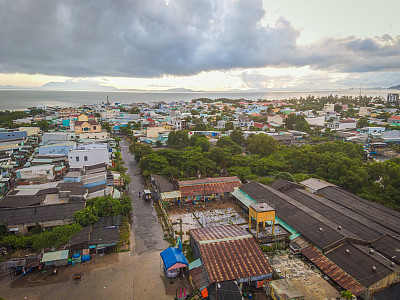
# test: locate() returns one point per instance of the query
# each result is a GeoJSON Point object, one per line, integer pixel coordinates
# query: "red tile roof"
{"type": "Point", "coordinates": [208, 186]}
{"type": "Point", "coordinates": [394, 118]}
{"type": "Point", "coordinates": [233, 259]}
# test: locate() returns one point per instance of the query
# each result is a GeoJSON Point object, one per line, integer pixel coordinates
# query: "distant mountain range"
{"type": "Point", "coordinates": [77, 86]}
{"type": "Point", "coordinates": [395, 87]}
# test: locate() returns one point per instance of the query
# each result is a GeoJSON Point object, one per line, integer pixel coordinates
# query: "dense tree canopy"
{"type": "Point", "coordinates": [262, 144]}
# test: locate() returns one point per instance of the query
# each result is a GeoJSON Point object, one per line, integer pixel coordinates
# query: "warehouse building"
{"type": "Point", "coordinates": [355, 242]}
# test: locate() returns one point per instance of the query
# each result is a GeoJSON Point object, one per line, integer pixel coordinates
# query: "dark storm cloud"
{"type": "Point", "coordinates": [156, 38]}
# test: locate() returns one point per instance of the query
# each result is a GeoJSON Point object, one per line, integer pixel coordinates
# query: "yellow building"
{"type": "Point", "coordinates": [86, 127]}
{"type": "Point", "coordinates": [261, 212]}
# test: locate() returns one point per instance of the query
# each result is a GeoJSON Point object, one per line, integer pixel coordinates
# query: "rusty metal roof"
{"type": "Point", "coordinates": [208, 180]}
{"type": "Point", "coordinates": [233, 259]}
{"type": "Point", "coordinates": [204, 187]}
{"type": "Point", "coordinates": [217, 232]}
{"type": "Point", "coordinates": [333, 271]}
{"type": "Point", "coordinates": [199, 277]}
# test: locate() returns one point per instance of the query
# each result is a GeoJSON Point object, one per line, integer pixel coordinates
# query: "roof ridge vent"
{"type": "Point", "coordinates": [371, 251]}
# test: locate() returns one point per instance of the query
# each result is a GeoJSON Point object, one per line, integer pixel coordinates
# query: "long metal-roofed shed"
{"type": "Point", "coordinates": [358, 225]}
{"type": "Point", "coordinates": [21, 218]}
{"type": "Point", "coordinates": [389, 246]}
{"type": "Point", "coordinates": [375, 212]}
{"type": "Point", "coordinates": [334, 272]}
{"type": "Point", "coordinates": [313, 226]}
{"type": "Point", "coordinates": [208, 188]}
{"type": "Point", "coordinates": [229, 253]}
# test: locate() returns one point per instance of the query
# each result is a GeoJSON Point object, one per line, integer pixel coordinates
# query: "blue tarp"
{"type": "Point", "coordinates": [172, 256]}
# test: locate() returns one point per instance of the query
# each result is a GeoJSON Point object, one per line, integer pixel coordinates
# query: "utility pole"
{"type": "Point", "coordinates": [180, 224]}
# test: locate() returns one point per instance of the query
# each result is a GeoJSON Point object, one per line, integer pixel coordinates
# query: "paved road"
{"type": "Point", "coordinates": [147, 231]}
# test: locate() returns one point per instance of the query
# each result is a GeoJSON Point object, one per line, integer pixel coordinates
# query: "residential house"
{"type": "Point", "coordinates": [332, 115]}
{"type": "Point", "coordinates": [85, 156]}
{"type": "Point", "coordinates": [86, 127]}
{"type": "Point", "coordinates": [179, 124]}
{"type": "Point", "coordinates": [342, 124]}
{"type": "Point", "coordinates": [276, 119]}
{"type": "Point", "coordinates": [245, 121]}
{"type": "Point", "coordinates": [394, 121]}
{"type": "Point", "coordinates": [66, 112]}
{"type": "Point", "coordinates": [372, 130]}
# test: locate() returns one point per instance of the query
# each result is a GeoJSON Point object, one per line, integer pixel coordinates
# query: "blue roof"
{"type": "Point", "coordinates": [172, 256]}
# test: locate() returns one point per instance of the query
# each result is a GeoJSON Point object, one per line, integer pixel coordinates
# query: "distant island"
{"type": "Point", "coordinates": [395, 87]}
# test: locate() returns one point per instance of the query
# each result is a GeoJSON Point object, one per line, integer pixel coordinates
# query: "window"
{"type": "Point", "coordinates": [77, 158]}
{"type": "Point", "coordinates": [94, 127]}
{"type": "Point", "coordinates": [85, 158]}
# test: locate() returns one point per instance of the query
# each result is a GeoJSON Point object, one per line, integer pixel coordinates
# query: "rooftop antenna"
{"type": "Point", "coordinates": [108, 102]}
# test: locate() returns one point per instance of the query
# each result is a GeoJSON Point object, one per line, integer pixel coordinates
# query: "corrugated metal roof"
{"type": "Point", "coordinates": [208, 188]}
{"type": "Point", "coordinates": [233, 259]}
{"type": "Point", "coordinates": [333, 271]}
{"type": "Point", "coordinates": [199, 277]}
{"type": "Point", "coordinates": [208, 180]}
{"type": "Point", "coordinates": [217, 232]}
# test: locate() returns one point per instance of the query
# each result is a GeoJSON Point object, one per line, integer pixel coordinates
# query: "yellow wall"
{"type": "Point", "coordinates": [83, 118]}
{"type": "Point", "coordinates": [93, 128]}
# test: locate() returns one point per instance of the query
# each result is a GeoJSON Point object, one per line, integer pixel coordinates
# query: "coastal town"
{"type": "Point", "coordinates": [207, 199]}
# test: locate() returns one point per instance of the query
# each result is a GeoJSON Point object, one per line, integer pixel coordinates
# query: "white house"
{"type": "Point", "coordinates": [342, 124]}
{"type": "Point", "coordinates": [179, 124]}
{"type": "Point", "coordinates": [82, 156]}
{"type": "Point", "coordinates": [331, 115]}
{"type": "Point", "coordinates": [371, 130]}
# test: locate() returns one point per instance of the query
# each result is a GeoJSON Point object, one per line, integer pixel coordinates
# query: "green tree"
{"type": "Point", "coordinates": [139, 150]}
{"type": "Point", "coordinates": [178, 139]}
{"type": "Point", "coordinates": [153, 163]}
{"type": "Point", "coordinates": [86, 217]}
{"type": "Point", "coordinates": [237, 136]}
{"type": "Point", "coordinates": [262, 144]}
{"type": "Point", "coordinates": [200, 140]}
{"type": "Point", "coordinates": [362, 122]}
{"type": "Point", "coordinates": [229, 126]}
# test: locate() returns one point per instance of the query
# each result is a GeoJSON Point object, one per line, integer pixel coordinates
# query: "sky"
{"type": "Point", "coordinates": [208, 45]}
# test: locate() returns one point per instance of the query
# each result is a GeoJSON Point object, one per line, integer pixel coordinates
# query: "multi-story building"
{"type": "Point", "coordinates": [393, 98]}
